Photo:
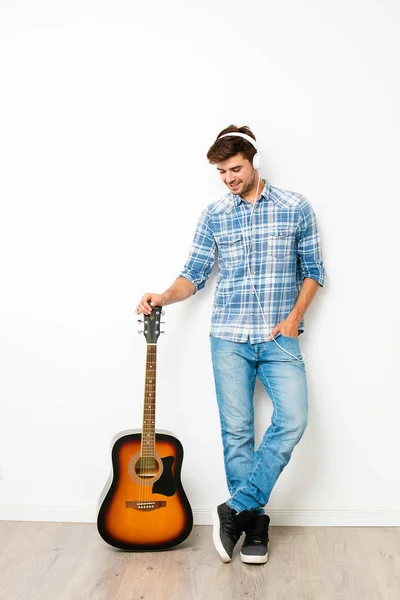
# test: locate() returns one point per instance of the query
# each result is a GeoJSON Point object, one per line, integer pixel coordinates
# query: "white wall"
{"type": "Point", "coordinates": [107, 111]}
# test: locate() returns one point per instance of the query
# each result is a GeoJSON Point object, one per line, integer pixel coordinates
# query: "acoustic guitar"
{"type": "Point", "coordinates": [143, 506]}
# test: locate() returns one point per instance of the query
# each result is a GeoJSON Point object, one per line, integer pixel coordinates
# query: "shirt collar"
{"type": "Point", "coordinates": [237, 199]}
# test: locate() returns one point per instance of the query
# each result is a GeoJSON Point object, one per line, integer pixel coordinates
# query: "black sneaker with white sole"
{"type": "Point", "coordinates": [255, 546]}
{"type": "Point", "coordinates": [228, 526]}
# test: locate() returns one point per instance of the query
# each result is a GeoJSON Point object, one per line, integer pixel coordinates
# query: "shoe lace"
{"type": "Point", "coordinates": [230, 525]}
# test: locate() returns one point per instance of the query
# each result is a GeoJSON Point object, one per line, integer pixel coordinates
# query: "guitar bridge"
{"type": "Point", "coordinates": [145, 505]}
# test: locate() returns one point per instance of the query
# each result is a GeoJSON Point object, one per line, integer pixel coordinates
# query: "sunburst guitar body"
{"type": "Point", "coordinates": [143, 506]}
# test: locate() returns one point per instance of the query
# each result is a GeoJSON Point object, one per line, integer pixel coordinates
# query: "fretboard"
{"type": "Point", "coordinates": [149, 405]}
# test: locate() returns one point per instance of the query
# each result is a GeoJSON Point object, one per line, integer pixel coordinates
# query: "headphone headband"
{"type": "Point", "coordinates": [257, 156]}
{"type": "Point", "coordinates": [242, 135]}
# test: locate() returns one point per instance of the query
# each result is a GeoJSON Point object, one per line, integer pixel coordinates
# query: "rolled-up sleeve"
{"type": "Point", "coordinates": [309, 248]}
{"type": "Point", "coordinates": [201, 258]}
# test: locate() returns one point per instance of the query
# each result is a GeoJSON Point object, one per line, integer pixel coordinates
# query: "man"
{"type": "Point", "coordinates": [269, 269]}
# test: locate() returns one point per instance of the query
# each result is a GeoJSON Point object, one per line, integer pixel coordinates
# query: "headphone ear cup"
{"type": "Point", "coordinates": [256, 161]}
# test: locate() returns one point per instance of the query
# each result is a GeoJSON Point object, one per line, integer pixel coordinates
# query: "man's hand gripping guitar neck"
{"type": "Point", "coordinates": [180, 290]}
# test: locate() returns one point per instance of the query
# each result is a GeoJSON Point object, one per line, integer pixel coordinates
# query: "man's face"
{"type": "Point", "coordinates": [237, 173]}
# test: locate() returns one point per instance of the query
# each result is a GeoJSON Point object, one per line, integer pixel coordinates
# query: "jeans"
{"type": "Point", "coordinates": [251, 474]}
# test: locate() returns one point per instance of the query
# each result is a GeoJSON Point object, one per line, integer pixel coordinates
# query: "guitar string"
{"type": "Point", "coordinates": [148, 461]}
{"type": "Point", "coordinates": [142, 458]}
{"type": "Point", "coordinates": [148, 416]}
{"type": "Point", "coordinates": [153, 461]}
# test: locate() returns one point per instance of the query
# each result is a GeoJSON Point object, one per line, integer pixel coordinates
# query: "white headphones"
{"type": "Point", "coordinates": [257, 156]}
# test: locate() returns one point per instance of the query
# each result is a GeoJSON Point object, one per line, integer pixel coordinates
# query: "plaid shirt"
{"type": "Point", "coordinates": [280, 244]}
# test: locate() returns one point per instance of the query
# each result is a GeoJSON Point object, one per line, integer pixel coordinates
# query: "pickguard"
{"type": "Point", "coordinates": [166, 484]}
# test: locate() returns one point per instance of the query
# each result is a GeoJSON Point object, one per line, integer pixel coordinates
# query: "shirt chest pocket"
{"type": "Point", "coordinates": [230, 249]}
{"type": "Point", "coordinates": [281, 242]}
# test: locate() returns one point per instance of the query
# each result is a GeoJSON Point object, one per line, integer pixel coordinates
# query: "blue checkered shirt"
{"type": "Point", "coordinates": [278, 243]}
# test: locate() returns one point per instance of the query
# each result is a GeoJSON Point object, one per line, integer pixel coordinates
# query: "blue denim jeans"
{"type": "Point", "coordinates": [251, 474]}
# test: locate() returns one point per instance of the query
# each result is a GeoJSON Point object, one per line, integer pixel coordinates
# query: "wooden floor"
{"type": "Point", "coordinates": [66, 561]}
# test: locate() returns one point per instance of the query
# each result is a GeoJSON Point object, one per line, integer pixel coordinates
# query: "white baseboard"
{"type": "Point", "coordinates": [279, 517]}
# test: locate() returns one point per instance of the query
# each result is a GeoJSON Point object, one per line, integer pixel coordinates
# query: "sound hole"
{"type": "Point", "coordinates": [145, 469]}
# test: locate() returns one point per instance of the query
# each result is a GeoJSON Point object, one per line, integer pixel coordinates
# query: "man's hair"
{"type": "Point", "coordinates": [225, 148]}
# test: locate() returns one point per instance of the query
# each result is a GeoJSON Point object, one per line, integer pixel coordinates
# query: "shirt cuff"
{"type": "Point", "coordinates": [318, 276]}
{"type": "Point", "coordinates": [197, 281]}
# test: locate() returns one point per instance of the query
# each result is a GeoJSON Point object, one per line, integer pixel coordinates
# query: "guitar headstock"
{"type": "Point", "coordinates": [152, 325]}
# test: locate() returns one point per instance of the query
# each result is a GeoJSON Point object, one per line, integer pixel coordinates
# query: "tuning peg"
{"type": "Point", "coordinates": [140, 321]}
{"type": "Point", "coordinates": [140, 330]}
{"type": "Point", "coordinates": [163, 312]}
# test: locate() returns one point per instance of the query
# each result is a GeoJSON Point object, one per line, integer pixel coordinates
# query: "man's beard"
{"type": "Point", "coordinates": [248, 186]}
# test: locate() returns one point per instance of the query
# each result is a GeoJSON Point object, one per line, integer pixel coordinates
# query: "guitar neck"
{"type": "Point", "coordinates": [149, 403]}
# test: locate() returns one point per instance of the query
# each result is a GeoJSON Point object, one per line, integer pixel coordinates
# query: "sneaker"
{"type": "Point", "coordinates": [255, 546]}
{"type": "Point", "coordinates": [228, 526]}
